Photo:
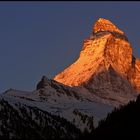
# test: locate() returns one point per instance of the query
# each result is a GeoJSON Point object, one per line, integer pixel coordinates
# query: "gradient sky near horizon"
{"type": "Point", "coordinates": [42, 38]}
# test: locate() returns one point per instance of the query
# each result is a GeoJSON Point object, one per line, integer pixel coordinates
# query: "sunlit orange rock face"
{"type": "Point", "coordinates": [135, 74]}
{"type": "Point", "coordinates": [105, 25]}
{"type": "Point", "coordinates": [105, 62]}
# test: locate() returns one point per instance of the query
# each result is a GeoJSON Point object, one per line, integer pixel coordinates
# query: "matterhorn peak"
{"type": "Point", "coordinates": [105, 62]}
{"type": "Point", "coordinates": [105, 25]}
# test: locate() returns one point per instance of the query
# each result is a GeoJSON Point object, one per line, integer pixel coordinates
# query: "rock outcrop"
{"type": "Point", "coordinates": [106, 64]}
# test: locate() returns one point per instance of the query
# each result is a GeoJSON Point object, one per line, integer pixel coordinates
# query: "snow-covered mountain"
{"type": "Point", "coordinates": [21, 121]}
{"type": "Point", "coordinates": [58, 99]}
{"type": "Point", "coordinates": [106, 65]}
{"type": "Point", "coordinates": [106, 75]}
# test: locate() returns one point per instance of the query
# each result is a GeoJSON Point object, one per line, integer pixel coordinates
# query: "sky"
{"type": "Point", "coordinates": [43, 38]}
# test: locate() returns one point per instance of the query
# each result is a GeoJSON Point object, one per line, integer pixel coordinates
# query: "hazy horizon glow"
{"type": "Point", "coordinates": [42, 38]}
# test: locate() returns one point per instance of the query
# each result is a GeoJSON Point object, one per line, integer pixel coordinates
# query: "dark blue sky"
{"type": "Point", "coordinates": [42, 38]}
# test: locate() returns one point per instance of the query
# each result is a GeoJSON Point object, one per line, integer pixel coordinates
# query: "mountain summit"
{"type": "Point", "coordinates": [106, 64]}
{"type": "Point", "coordinates": [106, 75]}
{"type": "Point", "coordinates": [105, 25]}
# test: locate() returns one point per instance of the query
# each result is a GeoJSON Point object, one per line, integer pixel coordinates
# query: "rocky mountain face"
{"type": "Point", "coordinates": [106, 75]}
{"type": "Point", "coordinates": [106, 65]}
